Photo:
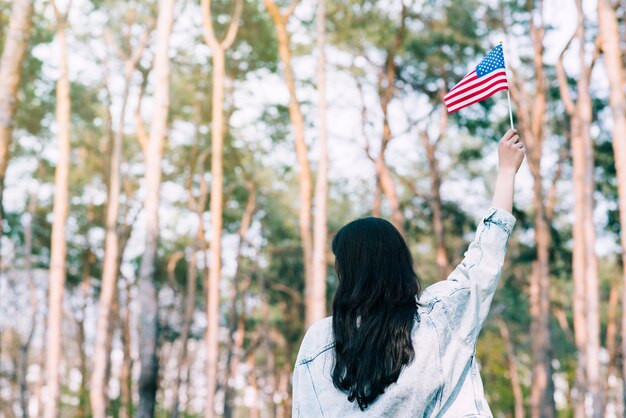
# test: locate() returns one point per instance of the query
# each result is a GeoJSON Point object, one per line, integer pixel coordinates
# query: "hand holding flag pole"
{"type": "Point", "coordinates": [488, 78]}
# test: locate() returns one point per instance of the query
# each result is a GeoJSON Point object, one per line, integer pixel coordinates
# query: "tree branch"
{"type": "Point", "coordinates": [364, 119]}
{"type": "Point", "coordinates": [292, 8]}
{"type": "Point", "coordinates": [233, 27]}
{"type": "Point", "coordinates": [596, 54]}
{"type": "Point", "coordinates": [562, 79]}
{"type": "Point", "coordinates": [141, 46]}
{"type": "Point", "coordinates": [280, 287]}
{"type": "Point", "coordinates": [551, 198]}
{"type": "Point", "coordinates": [171, 265]}
{"type": "Point", "coordinates": [209, 32]}
{"type": "Point", "coordinates": [142, 134]}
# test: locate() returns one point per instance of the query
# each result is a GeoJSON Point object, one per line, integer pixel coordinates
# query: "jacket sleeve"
{"type": "Point", "coordinates": [297, 389]}
{"type": "Point", "coordinates": [305, 400]}
{"type": "Point", "coordinates": [466, 295]}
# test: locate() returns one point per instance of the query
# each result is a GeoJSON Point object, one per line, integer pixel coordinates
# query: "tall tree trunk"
{"type": "Point", "coordinates": [610, 392]}
{"type": "Point", "coordinates": [585, 264]}
{"type": "Point", "coordinates": [218, 48]}
{"type": "Point", "coordinates": [83, 392]}
{"type": "Point", "coordinates": [252, 381]}
{"type": "Point", "coordinates": [11, 64]}
{"type": "Point", "coordinates": [233, 364]}
{"type": "Point", "coordinates": [39, 383]}
{"type": "Point", "coordinates": [377, 198]}
{"type": "Point", "coordinates": [215, 263]}
{"type": "Point", "coordinates": [149, 328]}
{"type": "Point", "coordinates": [104, 326]}
{"type": "Point", "coordinates": [127, 362]}
{"type": "Point", "coordinates": [237, 316]}
{"type": "Point", "coordinates": [316, 310]}
{"type": "Point", "coordinates": [268, 346]}
{"type": "Point", "coordinates": [530, 111]}
{"type": "Point", "coordinates": [513, 372]}
{"type": "Point", "coordinates": [32, 290]}
{"type": "Point", "coordinates": [58, 245]}
{"type": "Point", "coordinates": [614, 66]}
{"type": "Point", "coordinates": [386, 90]}
{"type": "Point", "coordinates": [441, 251]}
{"type": "Point", "coordinates": [297, 121]}
{"type": "Point", "coordinates": [192, 280]}
{"type": "Point", "coordinates": [110, 269]}
{"type": "Point", "coordinates": [283, 409]}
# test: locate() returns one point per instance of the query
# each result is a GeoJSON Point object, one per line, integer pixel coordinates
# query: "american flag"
{"type": "Point", "coordinates": [488, 78]}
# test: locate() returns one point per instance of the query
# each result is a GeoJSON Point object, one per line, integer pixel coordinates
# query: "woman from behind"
{"type": "Point", "coordinates": [388, 351]}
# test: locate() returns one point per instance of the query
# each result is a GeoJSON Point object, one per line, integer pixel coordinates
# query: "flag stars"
{"type": "Point", "coordinates": [474, 88]}
{"type": "Point", "coordinates": [493, 61]}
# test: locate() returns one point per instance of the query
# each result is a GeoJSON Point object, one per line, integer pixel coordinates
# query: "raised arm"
{"type": "Point", "coordinates": [510, 155]}
{"type": "Point", "coordinates": [466, 295]}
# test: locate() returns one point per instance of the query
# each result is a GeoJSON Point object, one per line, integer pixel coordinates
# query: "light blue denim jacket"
{"type": "Point", "coordinates": [443, 380]}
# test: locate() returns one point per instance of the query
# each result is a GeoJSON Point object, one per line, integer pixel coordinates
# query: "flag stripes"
{"type": "Point", "coordinates": [488, 78]}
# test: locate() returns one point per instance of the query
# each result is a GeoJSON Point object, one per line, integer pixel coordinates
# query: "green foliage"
{"type": "Point", "coordinates": [360, 25]}
{"type": "Point", "coordinates": [443, 39]}
{"type": "Point", "coordinates": [256, 45]}
{"type": "Point", "coordinates": [446, 43]}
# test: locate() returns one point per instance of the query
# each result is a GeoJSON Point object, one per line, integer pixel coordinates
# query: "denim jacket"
{"type": "Point", "coordinates": [443, 380]}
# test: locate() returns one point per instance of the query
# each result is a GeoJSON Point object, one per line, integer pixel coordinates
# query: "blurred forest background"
{"type": "Point", "coordinates": [172, 171]}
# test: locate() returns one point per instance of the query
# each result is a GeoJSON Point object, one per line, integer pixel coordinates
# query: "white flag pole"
{"type": "Point", "coordinates": [508, 95]}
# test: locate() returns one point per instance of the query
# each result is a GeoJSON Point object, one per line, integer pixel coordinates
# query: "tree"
{"type": "Point", "coordinates": [614, 66]}
{"type": "Point", "coordinates": [153, 152]}
{"type": "Point", "coordinates": [428, 68]}
{"type": "Point", "coordinates": [11, 64]}
{"type": "Point", "coordinates": [197, 206]}
{"type": "Point", "coordinates": [112, 255]}
{"type": "Point", "coordinates": [317, 309]}
{"type": "Point", "coordinates": [530, 109]}
{"type": "Point", "coordinates": [238, 316]}
{"type": "Point", "coordinates": [58, 242]}
{"type": "Point", "coordinates": [280, 20]}
{"type": "Point", "coordinates": [585, 263]}
{"type": "Point", "coordinates": [386, 90]}
{"type": "Point", "coordinates": [366, 31]}
{"type": "Point", "coordinates": [513, 371]}
{"type": "Point", "coordinates": [28, 267]}
{"type": "Point", "coordinates": [218, 48]}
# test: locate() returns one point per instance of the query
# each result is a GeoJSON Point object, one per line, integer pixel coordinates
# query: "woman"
{"type": "Point", "coordinates": [388, 352]}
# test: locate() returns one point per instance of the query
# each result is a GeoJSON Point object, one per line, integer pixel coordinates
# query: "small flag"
{"type": "Point", "coordinates": [488, 78]}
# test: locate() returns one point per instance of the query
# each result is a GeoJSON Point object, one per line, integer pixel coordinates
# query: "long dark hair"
{"type": "Point", "coordinates": [374, 308]}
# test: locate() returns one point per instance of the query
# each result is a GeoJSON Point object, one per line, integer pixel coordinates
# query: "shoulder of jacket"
{"type": "Point", "coordinates": [317, 340]}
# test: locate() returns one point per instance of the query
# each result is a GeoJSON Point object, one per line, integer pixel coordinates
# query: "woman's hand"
{"type": "Point", "coordinates": [511, 152]}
